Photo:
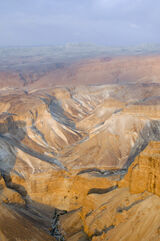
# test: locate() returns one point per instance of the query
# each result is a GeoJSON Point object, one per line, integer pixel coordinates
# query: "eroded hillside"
{"type": "Point", "coordinates": [82, 162]}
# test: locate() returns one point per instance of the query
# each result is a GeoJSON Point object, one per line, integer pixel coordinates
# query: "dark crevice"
{"type": "Point", "coordinates": [104, 230]}
{"type": "Point", "coordinates": [74, 210]}
{"type": "Point", "coordinates": [38, 132]}
{"type": "Point", "coordinates": [121, 209]}
{"type": "Point", "coordinates": [118, 110]}
{"type": "Point", "coordinates": [88, 214]}
{"type": "Point", "coordinates": [23, 79]}
{"type": "Point", "coordinates": [90, 170]}
{"type": "Point", "coordinates": [55, 232]}
{"type": "Point", "coordinates": [105, 173]}
{"type": "Point", "coordinates": [101, 190]}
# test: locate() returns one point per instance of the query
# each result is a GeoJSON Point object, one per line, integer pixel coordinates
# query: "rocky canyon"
{"type": "Point", "coordinates": [80, 149]}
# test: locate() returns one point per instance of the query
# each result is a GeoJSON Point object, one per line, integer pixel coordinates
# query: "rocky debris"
{"type": "Point", "coordinates": [55, 232]}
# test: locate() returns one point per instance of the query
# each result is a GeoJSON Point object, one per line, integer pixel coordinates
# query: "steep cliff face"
{"type": "Point", "coordinates": [144, 173]}
{"type": "Point", "coordinates": [131, 204]}
{"type": "Point", "coordinates": [116, 215]}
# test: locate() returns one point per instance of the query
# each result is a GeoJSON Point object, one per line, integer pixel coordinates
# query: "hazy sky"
{"type": "Point", "coordinates": [107, 22]}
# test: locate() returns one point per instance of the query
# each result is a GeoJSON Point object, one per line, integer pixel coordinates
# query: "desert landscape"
{"type": "Point", "coordinates": [80, 145]}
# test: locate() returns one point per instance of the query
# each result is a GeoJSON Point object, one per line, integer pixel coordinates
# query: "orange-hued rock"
{"type": "Point", "coordinates": [65, 191]}
{"type": "Point", "coordinates": [11, 196]}
{"type": "Point", "coordinates": [8, 195]}
{"type": "Point", "coordinates": [144, 173]}
{"type": "Point", "coordinates": [112, 214]}
{"type": "Point", "coordinates": [108, 216]}
{"type": "Point", "coordinates": [71, 224]}
{"type": "Point", "coordinates": [141, 222]}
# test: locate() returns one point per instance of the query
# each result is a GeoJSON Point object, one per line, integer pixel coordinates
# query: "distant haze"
{"type": "Point", "coordinates": [103, 22]}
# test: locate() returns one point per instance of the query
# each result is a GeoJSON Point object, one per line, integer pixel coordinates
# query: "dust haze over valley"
{"type": "Point", "coordinates": [79, 120]}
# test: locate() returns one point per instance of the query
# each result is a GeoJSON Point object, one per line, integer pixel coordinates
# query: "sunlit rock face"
{"type": "Point", "coordinates": [81, 162]}
{"type": "Point", "coordinates": [143, 174]}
